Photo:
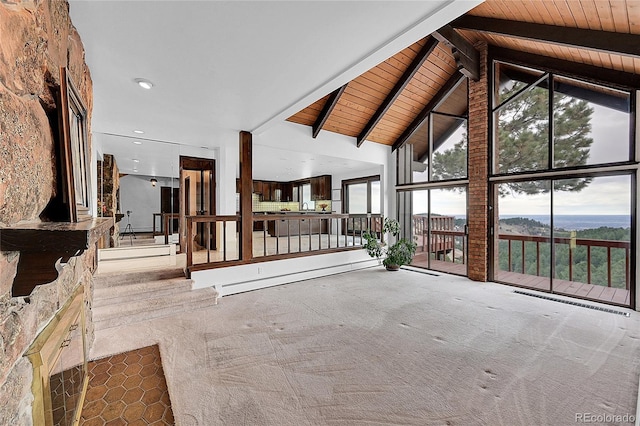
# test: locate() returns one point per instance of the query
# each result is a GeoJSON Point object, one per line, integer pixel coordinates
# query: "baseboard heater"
{"type": "Point", "coordinates": [574, 303]}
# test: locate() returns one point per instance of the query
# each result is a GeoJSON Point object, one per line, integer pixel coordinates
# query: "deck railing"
{"type": "Point", "coordinates": [274, 236]}
{"type": "Point", "coordinates": [442, 240]}
{"type": "Point", "coordinates": [520, 240]}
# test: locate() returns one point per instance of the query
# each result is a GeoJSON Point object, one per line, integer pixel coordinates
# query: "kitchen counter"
{"type": "Point", "coordinates": [305, 222]}
{"type": "Point", "coordinates": [294, 212]}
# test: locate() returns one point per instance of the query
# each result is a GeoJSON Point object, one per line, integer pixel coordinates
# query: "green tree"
{"type": "Point", "coordinates": [522, 141]}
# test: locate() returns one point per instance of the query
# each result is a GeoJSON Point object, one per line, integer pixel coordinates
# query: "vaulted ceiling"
{"type": "Point", "coordinates": [599, 40]}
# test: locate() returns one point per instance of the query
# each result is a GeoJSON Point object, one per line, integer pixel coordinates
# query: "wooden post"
{"type": "Point", "coordinates": [246, 189]}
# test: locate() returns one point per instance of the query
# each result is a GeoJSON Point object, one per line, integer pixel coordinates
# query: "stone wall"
{"type": "Point", "coordinates": [108, 193]}
{"type": "Point", "coordinates": [36, 39]}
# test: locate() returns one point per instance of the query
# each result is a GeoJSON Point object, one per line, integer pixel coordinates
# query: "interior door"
{"type": "Point", "coordinates": [169, 203]}
{"type": "Point", "coordinates": [197, 186]}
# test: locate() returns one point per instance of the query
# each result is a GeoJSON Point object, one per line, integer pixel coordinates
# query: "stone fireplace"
{"type": "Point", "coordinates": [38, 39]}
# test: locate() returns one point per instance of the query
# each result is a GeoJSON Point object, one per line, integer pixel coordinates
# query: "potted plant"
{"type": "Point", "coordinates": [398, 254]}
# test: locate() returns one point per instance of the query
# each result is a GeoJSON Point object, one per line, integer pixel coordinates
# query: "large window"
{"type": "Point", "coordinates": [546, 122]}
{"type": "Point", "coordinates": [439, 145]}
{"type": "Point", "coordinates": [433, 211]}
{"type": "Point", "coordinates": [362, 195]}
{"type": "Point", "coordinates": [563, 184]}
{"type": "Point", "coordinates": [307, 202]}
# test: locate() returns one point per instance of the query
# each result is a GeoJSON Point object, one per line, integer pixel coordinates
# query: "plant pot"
{"type": "Point", "coordinates": [393, 267]}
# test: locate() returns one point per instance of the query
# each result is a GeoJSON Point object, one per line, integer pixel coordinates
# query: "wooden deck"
{"type": "Point", "coordinates": [597, 293]}
{"type": "Point", "coordinates": [421, 260]}
{"type": "Point", "coordinates": [616, 296]}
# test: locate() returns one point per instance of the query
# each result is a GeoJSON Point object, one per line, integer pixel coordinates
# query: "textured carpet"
{"type": "Point", "coordinates": [375, 347]}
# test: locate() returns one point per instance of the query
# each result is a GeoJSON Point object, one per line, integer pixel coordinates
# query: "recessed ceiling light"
{"type": "Point", "coordinates": [137, 143]}
{"type": "Point", "coordinates": [140, 132]}
{"type": "Point", "coordinates": [145, 84]}
{"type": "Point", "coordinates": [135, 160]}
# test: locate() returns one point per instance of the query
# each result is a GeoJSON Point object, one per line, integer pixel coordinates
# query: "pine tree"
{"type": "Point", "coordinates": [522, 141]}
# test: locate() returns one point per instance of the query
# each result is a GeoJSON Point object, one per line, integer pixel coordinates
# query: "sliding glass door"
{"type": "Point", "coordinates": [439, 225]}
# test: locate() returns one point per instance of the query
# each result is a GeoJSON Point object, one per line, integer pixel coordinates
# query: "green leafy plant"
{"type": "Point", "coordinates": [398, 254]}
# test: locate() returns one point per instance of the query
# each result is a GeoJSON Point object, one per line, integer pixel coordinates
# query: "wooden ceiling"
{"type": "Point", "coordinates": [389, 104]}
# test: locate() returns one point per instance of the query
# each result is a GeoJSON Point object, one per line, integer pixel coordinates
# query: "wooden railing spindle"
{"type": "Point", "coordinates": [570, 263]}
{"type": "Point", "coordinates": [608, 266]}
{"type": "Point", "coordinates": [588, 264]}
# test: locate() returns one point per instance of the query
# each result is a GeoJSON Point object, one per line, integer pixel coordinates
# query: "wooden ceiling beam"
{"type": "Point", "coordinates": [398, 88]}
{"type": "Point", "coordinates": [327, 109]}
{"type": "Point", "coordinates": [602, 41]}
{"type": "Point", "coordinates": [591, 73]}
{"type": "Point", "coordinates": [446, 89]}
{"type": "Point", "coordinates": [466, 56]}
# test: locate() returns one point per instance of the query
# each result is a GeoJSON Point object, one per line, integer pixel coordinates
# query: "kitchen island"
{"type": "Point", "coordinates": [281, 224]}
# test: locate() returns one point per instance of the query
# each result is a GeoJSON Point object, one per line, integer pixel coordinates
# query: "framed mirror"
{"type": "Point", "coordinates": [75, 150]}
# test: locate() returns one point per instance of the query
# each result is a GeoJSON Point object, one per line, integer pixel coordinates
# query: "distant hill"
{"type": "Point", "coordinates": [523, 221]}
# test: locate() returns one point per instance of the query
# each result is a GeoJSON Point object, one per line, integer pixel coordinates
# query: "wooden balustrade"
{"type": "Point", "coordinates": [279, 236]}
{"type": "Point", "coordinates": [224, 253]}
{"type": "Point", "coordinates": [588, 243]}
{"type": "Point", "coordinates": [440, 237]}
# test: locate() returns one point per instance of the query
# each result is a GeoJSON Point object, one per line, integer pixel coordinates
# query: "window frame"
{"type": "Point", "coordinates": [551, 170]}
{"type": "Point", "coordinates": [368, 180]}
{"type": "Point", "coordinates": [75, 150]}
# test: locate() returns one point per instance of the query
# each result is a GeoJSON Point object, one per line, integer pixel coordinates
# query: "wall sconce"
{"type": "Point", "coordinates": [154, 181]}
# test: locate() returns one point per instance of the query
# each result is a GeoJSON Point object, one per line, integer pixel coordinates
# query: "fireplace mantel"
{"type": "Point", "coordinates": [43, 244]}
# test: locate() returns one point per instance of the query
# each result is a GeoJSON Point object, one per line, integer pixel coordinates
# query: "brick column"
{"type": "Point", "coordinates": [479, 151]}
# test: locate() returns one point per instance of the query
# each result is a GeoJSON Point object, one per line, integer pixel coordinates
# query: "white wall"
{"type": "Point", "coordinates": [142, 199]}
{"type": "Point", "coordinates": [237, 279]}
{"type": "Point", "coordinates": [296, 137]}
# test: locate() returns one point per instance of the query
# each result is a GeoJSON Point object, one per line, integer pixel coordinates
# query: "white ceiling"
{"type": "Point", "coordinates": [224, 66]}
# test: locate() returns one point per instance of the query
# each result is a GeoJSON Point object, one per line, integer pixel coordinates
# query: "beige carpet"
{"type": "Point", "coordinates": [375, 347]}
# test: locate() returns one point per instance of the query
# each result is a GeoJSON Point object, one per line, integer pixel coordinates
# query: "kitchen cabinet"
{"type": "Point", "coordinates": [267, 191]}
{"type": "Point", "coordinates": [288, 191]}
{"type": "Point", "coordinates": [321, 187]}
{"type": "Point", "coordinates": [264, 189]}
{"type": "Point", "coordinates": [259, 225]}
{"type": "Point", "coordinates": [257, 187]}
{"type": "Point", "coordinates": [273, 191]}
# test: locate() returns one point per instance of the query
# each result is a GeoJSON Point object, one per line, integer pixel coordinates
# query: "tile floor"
{"type": "Point", "coordinates": [127, 389]}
